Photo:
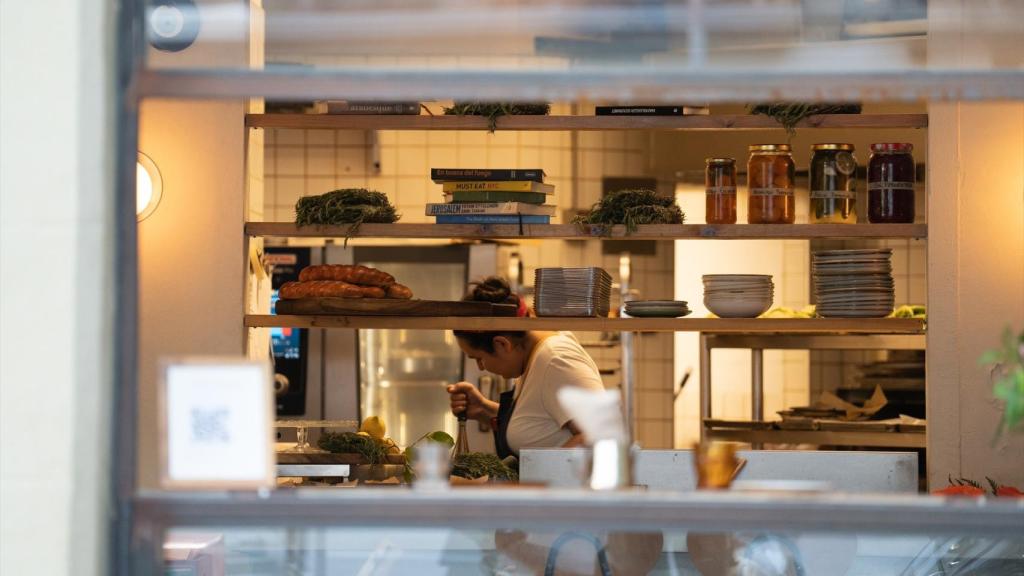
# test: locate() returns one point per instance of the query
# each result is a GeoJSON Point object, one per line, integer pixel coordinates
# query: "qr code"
{"type": "Point", "coordinates": [210, 426]}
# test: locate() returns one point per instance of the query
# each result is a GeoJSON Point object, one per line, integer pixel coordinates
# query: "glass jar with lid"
{"type": "Point", "coordinates": [833, 184]}
{"type": "Point", "coordinates": [891, 183]}
{"type": "Point", "coordinates": [770, 176]}
{"type": "Point", "coordinates": [720, 188]}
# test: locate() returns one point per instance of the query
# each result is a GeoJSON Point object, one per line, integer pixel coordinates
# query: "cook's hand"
{"type": "Point", "coordinates": [466, 398]}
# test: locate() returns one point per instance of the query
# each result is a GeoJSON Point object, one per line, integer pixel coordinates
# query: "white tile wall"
{"type": "Point", "coordinates": [307, 162]}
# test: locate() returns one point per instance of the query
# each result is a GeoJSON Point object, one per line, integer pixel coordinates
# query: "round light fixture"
{"type": "Point", "coordinates": [148, 187]}
{"type": "Point", "coordinates": [172, 25]}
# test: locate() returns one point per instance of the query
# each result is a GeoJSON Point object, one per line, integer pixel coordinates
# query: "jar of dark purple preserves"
{"type": "Point", "coordinates": [891, 183]}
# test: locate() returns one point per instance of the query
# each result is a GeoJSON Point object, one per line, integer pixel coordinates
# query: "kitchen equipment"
{"type": "Point", "coordinates": [462, 438]}
{"type": "Point", "coordinates": [833, 184]}
{"type": "Point", "coordinates": [853, 283]}
{"type": "Point", "coordinates": [770, 184]}
{"type": "Point", "coordinates": [720, 189]}
{"type": "Point", "coordinates": [891, 183]}
{"type": "Point", "coordinates": [572, 292]}
{"type": "Point", "coordinates": [656, 308]}
{"type": "Point", "coordinates": [738, 295]}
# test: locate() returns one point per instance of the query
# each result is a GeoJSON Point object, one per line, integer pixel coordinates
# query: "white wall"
{"type": "Point", "coordinates": [976, 250]}
{"type": "Point", "coordinates": [192, 257]}
{"type": "Point", "coordinates": [56, 301]}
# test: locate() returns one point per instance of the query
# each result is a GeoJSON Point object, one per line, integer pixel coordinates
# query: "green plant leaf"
{"type": "Point", "coordinates": [441, 437]}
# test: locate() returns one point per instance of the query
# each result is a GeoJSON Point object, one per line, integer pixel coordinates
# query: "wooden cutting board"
{"type": "Point", "coordinates": [390, 307]}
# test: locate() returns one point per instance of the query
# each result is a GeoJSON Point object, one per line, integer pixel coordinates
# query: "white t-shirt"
{"type": "Point", "coordinates": [538, 419]}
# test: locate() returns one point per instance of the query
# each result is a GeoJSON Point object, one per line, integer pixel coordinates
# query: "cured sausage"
{"type": "Point", "coordinates": [399, 291]}
{"type": "Point", "coordinates": [353, 274]}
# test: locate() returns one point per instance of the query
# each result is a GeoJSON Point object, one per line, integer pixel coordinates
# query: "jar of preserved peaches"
{"type": "Point", "coordinates": [770, 176]}
{"type": "Point", "coordinates": [833, 184]}
{"type": "Point", "coordinates": [891, 183]}
{"type": "Point", "coordinates": [720, 186]}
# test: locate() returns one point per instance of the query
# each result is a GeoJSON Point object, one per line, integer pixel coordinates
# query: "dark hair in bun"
{"type": "Point", "coordinates": [495, 290]}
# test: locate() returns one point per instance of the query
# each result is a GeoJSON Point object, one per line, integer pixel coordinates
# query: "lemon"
{"type": "Point", "coordinates": [373, 426]}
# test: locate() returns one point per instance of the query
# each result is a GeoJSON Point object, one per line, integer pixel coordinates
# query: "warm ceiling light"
{"type": "Point", "coordinates": [148, 187]}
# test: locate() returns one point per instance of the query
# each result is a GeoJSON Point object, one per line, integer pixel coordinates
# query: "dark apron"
{"type": "Point", "coordinates": [506, 404]}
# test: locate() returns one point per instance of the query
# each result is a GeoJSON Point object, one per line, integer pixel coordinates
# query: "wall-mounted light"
{"type": "Point", "coordinates": [149, 187]}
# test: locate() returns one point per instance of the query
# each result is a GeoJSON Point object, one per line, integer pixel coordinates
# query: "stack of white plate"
{"type": "Point", "coordinates": [738, 295]}
{"type": "Point", "coordinates": [572, 292]}
{"type": "Point", "coordinates": [656, 308]}
{"type": "Point", "coordinates": [853, 283]}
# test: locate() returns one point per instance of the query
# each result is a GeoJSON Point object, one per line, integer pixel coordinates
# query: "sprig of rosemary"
{"type": "Point", "coordinates": [478, 464]}
{"type": "Point", "coordinates": [353, 206]}
{"type": "Point", "coordinates": [789, 114]}
{"type": "Point", "coordinates": [495, 110]}
{"type": "Point", "coordinates": [632, 208]}
{"type": "Point", "coordinates": [374, 451]}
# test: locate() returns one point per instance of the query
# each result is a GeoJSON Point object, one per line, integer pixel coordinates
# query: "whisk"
{"type": "Point", "coordinates": [462, 439]}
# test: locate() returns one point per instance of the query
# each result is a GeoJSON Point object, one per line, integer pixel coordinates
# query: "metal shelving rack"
{"type": "Point", "coordinates": [757, 344]}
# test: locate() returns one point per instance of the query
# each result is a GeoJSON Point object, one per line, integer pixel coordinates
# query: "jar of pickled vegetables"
{"type": "Point", "coordinates": [833, 184]}
{"type": "Point", "coordinates": [770, 176]}
{"type": "Point", "coordinates": [720, 186]}
{"type": "Point", "coordinates": [891, 183]}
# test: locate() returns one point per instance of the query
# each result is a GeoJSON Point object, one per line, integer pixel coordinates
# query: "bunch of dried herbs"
{"type": "Point", "coordinates": [632, 208]}
{"type": "Point", "coordinates": [353, 206]}
{"type": "Point", "coordinates": [789, 114]}
{"type": "Point", "coordinates": [374, 451]}
{"type": "Point", "coordinates": [479, 464]}
{"type": "Point", "coordinates": [495, 110]}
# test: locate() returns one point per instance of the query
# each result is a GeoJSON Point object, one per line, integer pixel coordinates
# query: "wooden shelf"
{"type": "Point", "coordinates": [574, 232]}
{"type": "Point", "coordinates": [557, 123]}
{"type": "Point", "coordinates": [717, 325]}
{"type": "Point", "coordinates": [821, 437]}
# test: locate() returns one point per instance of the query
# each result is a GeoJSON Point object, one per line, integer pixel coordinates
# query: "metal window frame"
{"type": "Point", "coordinates": [137, 520]}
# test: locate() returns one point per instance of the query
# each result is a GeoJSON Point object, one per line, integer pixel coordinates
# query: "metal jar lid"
{"type": "Point", "coordinates": [902, 147]}
{"type": "Point", "coordinates": [836, 146]}
{"type": "Point", "coordinates": [720, 160]}
{"type": "Point", "coordinates": [769, 148]}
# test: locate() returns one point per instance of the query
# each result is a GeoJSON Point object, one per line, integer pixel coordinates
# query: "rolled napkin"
{"type": "Point", "coordinates": [597, 414]}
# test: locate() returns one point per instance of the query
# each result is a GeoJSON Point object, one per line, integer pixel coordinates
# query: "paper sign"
{"type": "Point", "coordinates": [217, 424]}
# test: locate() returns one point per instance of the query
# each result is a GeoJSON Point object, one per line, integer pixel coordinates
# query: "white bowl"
{"type": "Point", "coordinates": [738, 309]}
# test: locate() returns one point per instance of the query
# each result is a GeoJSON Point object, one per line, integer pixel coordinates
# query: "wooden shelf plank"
{"type": "Point", "coordinates": [717, 325]}
{"type": "Point", "coordinates": [822, 437]}
{"type": "Point", "coordinates": [574, 232]}
{"type": "Point", "coordinates": [548, 123]}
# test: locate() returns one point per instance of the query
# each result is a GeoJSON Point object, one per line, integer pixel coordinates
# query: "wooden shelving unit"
{"type": "Point", "coordinates": [565, 123]}
{"type": "Point", "coordinates": [718, 325]}
{"type": "Point", "coordinates": [574, 232]}
{"type": "Point", "coordinates": [828, 333]}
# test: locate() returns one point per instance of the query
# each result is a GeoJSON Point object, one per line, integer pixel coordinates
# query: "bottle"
{"type": "Point", "coordinates": [770, 176]}
{"type": "Point", "coordinates": [833, 184]}
{"type": "Point", "coordinates": [720, 185]}
{"type": "Point", "coordinates": [891, 183]}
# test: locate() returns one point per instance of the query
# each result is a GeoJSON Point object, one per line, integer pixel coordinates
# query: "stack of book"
{"type": "Point", "coordinates": [492, 196]}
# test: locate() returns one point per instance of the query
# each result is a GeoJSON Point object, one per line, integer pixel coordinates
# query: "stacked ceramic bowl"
{"type": "Point", "coordinates": [572, 292]}
{"type": "Point", "coordinates": [853, 283]}
{"type": "Point", "coordinates": [738, 295]}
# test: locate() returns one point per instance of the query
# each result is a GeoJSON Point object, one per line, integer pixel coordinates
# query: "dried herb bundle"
{"type": "Point", "coordinates": [495, 110]}
{"type": "Point", "coordinates": [346, 206]}
{"type": "Point", "coordinates": [373, 450]}
{"type": "Point", "coordinates": [478, 464]}
{"type": "Point", "coordinates": [633, 208]}
{"type": "Point", "coordinates": [790, 114]}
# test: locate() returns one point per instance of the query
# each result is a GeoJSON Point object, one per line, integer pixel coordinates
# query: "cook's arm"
{"type": "Point", "coordinates": [577, 436]}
